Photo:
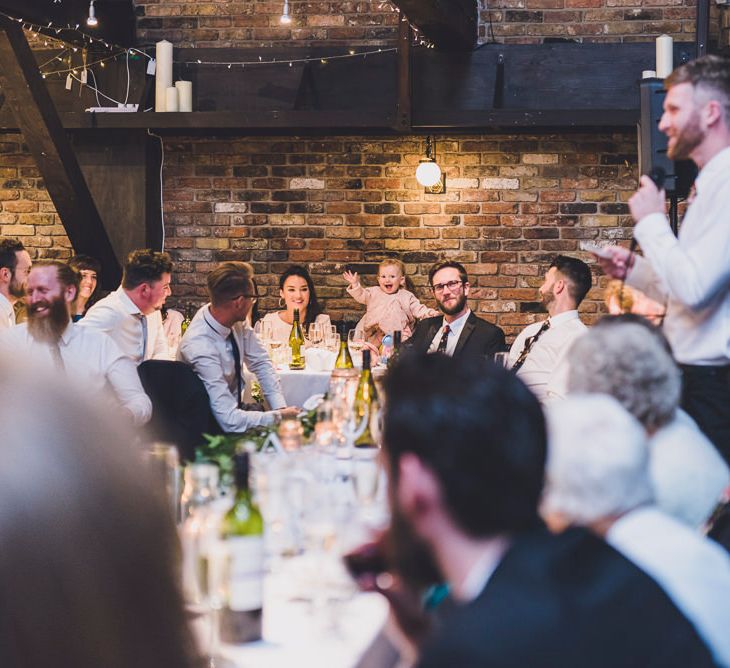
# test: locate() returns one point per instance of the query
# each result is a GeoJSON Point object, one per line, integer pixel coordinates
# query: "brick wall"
{"type": "Point", "coordinates": [512, 202]}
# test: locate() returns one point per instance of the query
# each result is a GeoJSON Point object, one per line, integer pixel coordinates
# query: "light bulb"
{"type": "Point", "coordinates": [92, 21]}
{"type": "Point", "coordinates": [428, 173]}
{"type": "Point", "coordinates": [285, 19]}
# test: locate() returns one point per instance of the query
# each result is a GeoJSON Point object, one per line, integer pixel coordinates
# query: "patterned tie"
{"type": "Point", "coordinates": [143, 319]}
{"type": "Point", "coordinates": [237, 364]}
{"type": "Point", "coordinates": [528, 346]}
{"type": "Point", "coordinates": [444, 340]}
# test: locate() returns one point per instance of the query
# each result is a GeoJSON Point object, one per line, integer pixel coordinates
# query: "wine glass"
{"type": "Point", "coordinates": [316, 336]}
{"type": "Point", "coordinates": [502, 359]}
{"type": "Point", "coordinates": [356, 342]}
{"type": "Point", "coordinates": [365, 474]}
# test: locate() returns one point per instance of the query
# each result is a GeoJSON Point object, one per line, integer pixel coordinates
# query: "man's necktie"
{"type": "Point", "coordinates": [237, 364]}
{"type": "Point", "coordinates": [143, 319]}
{"type": "Point", "coordinates": [444, 340]}
{"type": "Point", "coordinates": [57, 359]}
{"type": "Point", "coordinates": [528, 345]}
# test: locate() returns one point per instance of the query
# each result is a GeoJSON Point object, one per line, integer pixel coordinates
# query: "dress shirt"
{"type": "Point", "coordinates": [693, 571]}
{"type": "Point", "coordinates": [205, 347]}
{"type": "Point", "coordinates": [692, 273]}
{"type": "Point", "coordinates": [7, 313]}
{"type": "Point", "coordinates": [545, 370]}
{"type": "Point", "coordinates": [455, 327]}
{"type": "Point", "coordinates": [92, 359]}
{"type": "Point", "coordinates": [119, 317]}
{"type": "Point", "coordinates": [480, 572]}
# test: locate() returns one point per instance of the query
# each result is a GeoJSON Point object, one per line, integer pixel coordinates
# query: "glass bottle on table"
{"type": "Point", "coordinates": [344, 359]}
{"type": "Point", "coordinates": [296, 343]}
{"type": "Point", "coordinates": [366, 398]}
{"type": "Point", "coordinates": [242, 530]}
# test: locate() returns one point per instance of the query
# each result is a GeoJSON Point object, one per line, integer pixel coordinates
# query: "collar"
{"type": "Point", "coordinates": [219, 329]}
{"type": "Point", "coordinates": [68, 333]}
{"type": "Point", "coordinates": [565, 316]}
{"type": "Point", "coordinates": [720, 163]}
{"type": "Point", "coordinates": [127, 304]}
{"type": "Point", "coordinates": [480, 572]}
{"type": "Point", "coordinates": [456, 325]}
{"type": "Point", "coordinates": [5, 304]}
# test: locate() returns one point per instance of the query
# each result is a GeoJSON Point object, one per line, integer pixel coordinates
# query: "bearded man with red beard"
{"type": "Point", "coordinates": [88, 357]}
{"type": "Point", "coordinates": [692, 272]}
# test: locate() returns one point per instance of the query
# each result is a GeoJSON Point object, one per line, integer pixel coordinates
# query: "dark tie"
{"type": "Point", "coordinates": [444, 340]}
{"type": "Point", "coordinates": [143, 320]}
{"type": "Point", "coordinates": [528, 345]}
{"type": "Point", "coordinates": [237, 364]}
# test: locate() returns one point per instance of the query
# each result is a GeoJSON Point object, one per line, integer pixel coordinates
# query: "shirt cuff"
{"type": "Point", "coordinates": [650, 226]}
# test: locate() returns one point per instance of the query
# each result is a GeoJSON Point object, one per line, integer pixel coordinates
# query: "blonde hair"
{"type": "Point", "coordinates": [623, 295]}
{"type": "Point", "coordinates": [393, 262]}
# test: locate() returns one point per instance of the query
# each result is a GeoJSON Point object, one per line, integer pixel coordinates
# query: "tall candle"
{"type": "Point", "coordinates": [171, 103]}
{"type": "Point", "coordinates": [664, 56]}
{"type": "Point", "coordinates": [185, 93]}
{"type": "Point", "coordinates": [163, 74]}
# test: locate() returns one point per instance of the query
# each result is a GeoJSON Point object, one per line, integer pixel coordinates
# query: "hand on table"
{"type": "Point", "coordinates": [351, 277]}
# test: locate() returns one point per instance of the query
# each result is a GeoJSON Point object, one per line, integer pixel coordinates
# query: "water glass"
{"type": "Point", "coordinates": [502, 359]}
{"type": "Point", "coordinates": [163, 463]}
{"type": "Point", "coordinates": [356, 342]}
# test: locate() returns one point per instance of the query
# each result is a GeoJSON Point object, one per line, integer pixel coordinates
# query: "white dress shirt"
{"type": "Point", "coordinates": [545, 370]}
{"type": "Point", "coordinates": [205, 347]}
{"type": "Point", "coordinates": [693, 570]}
{"type": "Point", "coordinates": [692, 273]}
{"type": "Point", "coordinates": [92, 360]}
{"type": "Point", "coordinates": [455, 327]}
{"type": "Point", "coordinates": [7, 313]}
{"type": "Point", "coordinates": [119, 317]}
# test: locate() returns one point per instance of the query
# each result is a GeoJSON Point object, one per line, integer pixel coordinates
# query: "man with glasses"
{"type": "Point", "coordinates": [458, 332]}
{"type": "Point", "coordinates": [218, 342]}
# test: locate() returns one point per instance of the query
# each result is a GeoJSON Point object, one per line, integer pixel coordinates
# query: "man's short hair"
{"type": "Point", "coordinates": [598, 460]}
{"type": "Point", "coordinates": [445, 264]}
{"type": "Point", "coordinates": [480, 431]}
{"type": "Point", "coordinates": [229, 280]}
{"type": "Point", "coordinates": [578, 274]}
{"type": "Point", "coordinates": [628, 361]}
{"type": "Point", "coordinates": [708, 74]}
{"type": "Point", "coordinates": [8, 250]}
{"type": "Point", "coordinates": [145, 266]}
{"type": "Point", "coordinates": [66, 275]}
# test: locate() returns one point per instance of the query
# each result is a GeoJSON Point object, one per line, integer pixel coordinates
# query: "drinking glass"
{"type": "Point", "coordinates": [163, 463]}
{"type": "Point", "coordinates": [356, 342]}
{"type": "Point", "coordinates": [365, 474]}
{"type": "Point", "coordinates": [502, 359]}
{"type": "Point", "coordinates": [316, 335]}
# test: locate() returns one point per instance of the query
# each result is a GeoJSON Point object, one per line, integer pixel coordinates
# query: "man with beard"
{"type": "Point", "coordinates": [691, 273]}
{"type": "Point", "coordinates": [14, 267]}
{"type": "Point", "coordinates": [459, 331]}
{"type": "Point", "coordinates": [539, 353]}
{"type": "Point", "coordinates": [90, 357]}
{"type": "Point", "coordinates": [131, 314]}
{"type": "Point", "coordinates": [465, 452]}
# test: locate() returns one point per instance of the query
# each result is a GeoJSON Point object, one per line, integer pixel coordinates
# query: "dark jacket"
{"type": "Point", "coordinates": [478, 337]}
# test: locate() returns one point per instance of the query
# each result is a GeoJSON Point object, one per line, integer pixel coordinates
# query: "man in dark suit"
{"type": "Point", "coordinates": [459, 331]}
{"type": "Point", "coordinates": [465, 450]}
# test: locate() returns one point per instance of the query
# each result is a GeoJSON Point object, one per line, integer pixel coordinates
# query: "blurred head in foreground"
{"type": "Point", "coordinates": [88, 565]}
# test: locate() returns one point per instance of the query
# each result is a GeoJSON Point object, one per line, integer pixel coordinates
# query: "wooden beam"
{"type": "Point", "coordinates": [47, 141]}
{"type": "Point", "coordinates": [702, 27]}
{"type": "Point", "coordinates": [403, 89]}
{"type": "Point", "coordinates": [448, 24]}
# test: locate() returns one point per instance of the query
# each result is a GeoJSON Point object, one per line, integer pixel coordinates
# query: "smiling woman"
{"type": "Point", "coordinates": [88, 269]}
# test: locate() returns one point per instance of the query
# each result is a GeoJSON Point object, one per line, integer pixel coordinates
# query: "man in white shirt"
{"type": "Point", "coordinates": [597, 475]}
{"type": "Point", "coordinates": [131, 314]}
{"type": "Point", "coordinates": [691, 273]}
{"type": "Point", "coordinates": [49, 337]}
{"type": "Point", "coordinates": [15, 264]}
{"type": "Point", "coordinates": [218, 342]}
{"type": "Point", "coordinates": [539, 353]}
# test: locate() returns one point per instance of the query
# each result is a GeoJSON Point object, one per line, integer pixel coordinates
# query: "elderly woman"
{"type": "Point", "coordinates": [88, 269]}
{"type": "Point", "coordinates": [625, 357]}
{"type": "Point", "coordinates": [296, 291]}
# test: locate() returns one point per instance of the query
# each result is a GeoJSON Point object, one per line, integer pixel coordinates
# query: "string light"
{"type": "Point", "coordinates": [285, 19]}
{"type": "Point", "coordinates": [92, 20]}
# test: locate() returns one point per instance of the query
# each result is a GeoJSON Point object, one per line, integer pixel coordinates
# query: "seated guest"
{"type": "Point", "coordinates": [14, 267]}
{"type": "Point", "coordinates": [465, 447]}
{"type": "Point", "coordinates": [88, 269]}
{"type": "Point", "coordinates": [90, 357]}
{"type": "Point", "coordinates": [539, 353]}
{"type": "Point", "coordinates": [89, 559]}
{"type": "Point", "coordinates": [598, 476]}
{"type": "Point", "coordinates": [296, 291]}
{"type": "Point", "coordinates": [625, 357]}
{"type": "Point", "coordinates": [458, 332]}
{"type": "Point", "coordinates": [172, 321]}
{"type": "Point", "coordinates": [131, 314]}
{"type": "Point", "coordinates": [621, 298]}
{"type": "Point", "coordinates": [218, 342]}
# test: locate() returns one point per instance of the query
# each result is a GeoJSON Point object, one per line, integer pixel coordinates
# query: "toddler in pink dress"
{"type": "Point", "coordinates": [390, 307]}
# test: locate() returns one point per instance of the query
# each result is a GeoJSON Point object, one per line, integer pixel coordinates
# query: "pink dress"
{"type": "Point", "coordinates": [388, 313]}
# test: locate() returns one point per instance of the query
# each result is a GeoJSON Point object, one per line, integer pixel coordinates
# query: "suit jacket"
{"type": "Point", "coordinates": [567, 601]}
{"type": "Point", "coordinates": [478, 337]}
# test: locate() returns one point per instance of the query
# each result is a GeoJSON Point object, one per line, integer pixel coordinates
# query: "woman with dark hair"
{"type": "Point", "coordinates": [88, 269]}
{"type": "Point", "coordinates": [296, 291]}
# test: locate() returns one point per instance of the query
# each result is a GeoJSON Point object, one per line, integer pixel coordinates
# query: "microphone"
{"type": "Point", "coordinates": [658, 175]}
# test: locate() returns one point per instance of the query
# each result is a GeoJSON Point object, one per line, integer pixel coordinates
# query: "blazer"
{"type": "Point", "coordinates": [566, 601]}
{"type": "Point", "coordinates": [478, 337]}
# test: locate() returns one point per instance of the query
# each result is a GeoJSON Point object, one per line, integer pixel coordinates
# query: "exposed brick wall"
{"type": "Point", "coordinates": [512, 202]}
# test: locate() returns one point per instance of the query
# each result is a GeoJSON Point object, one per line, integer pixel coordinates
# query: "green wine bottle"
{"type": "Point", "coordinates": [296, 343]}
{"type": "Point", "coordinates": [242, 529]}
{"type": "Point", "coordinates": [366, 399]}
{"type": "Point", "coordinates": [397, 336]}
{"type": "Point", "coordinates": [344, 359]}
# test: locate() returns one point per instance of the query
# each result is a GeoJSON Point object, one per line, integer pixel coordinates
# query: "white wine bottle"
{"type": "Point", "coordinates": [296, 343]}
{"type": "Point", "coordinates": [366, 399]}
{"type": "Point", "coordinates": [344, 359]}
{"type": "Point", "coordinates": [242, 529]}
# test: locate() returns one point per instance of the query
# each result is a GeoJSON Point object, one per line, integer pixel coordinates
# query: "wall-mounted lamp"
{"type": "Point", "coordinates": [285, 18]}
{"type": "Point", "coordinates": [92, 20]}
{"type": "Point", "coordinates": [428, 173]}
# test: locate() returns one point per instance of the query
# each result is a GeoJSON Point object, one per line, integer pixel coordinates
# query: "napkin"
{"type": "Point", "coordinates": [319, 359]}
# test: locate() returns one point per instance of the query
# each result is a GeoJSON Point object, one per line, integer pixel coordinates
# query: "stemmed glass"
{"type": "Point", "coordinates": [356, 342]}
{"type": "Point", "coordinates": [316, 335]}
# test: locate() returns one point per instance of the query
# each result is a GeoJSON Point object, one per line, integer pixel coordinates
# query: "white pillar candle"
{"type": "Point", "coordinates": [185, 95]}
{"type": "Point", "coordinates": [648, 74]}
{"type": "Point", "coordinates": [664, 56]}
{"type": "Point", "coordinates": [163, 74]}
{"type": "Point", "coordinates": [171, 99]}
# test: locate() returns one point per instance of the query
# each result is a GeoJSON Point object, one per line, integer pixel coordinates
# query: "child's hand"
{"type": "Point", "coordinates": [351, 277]}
